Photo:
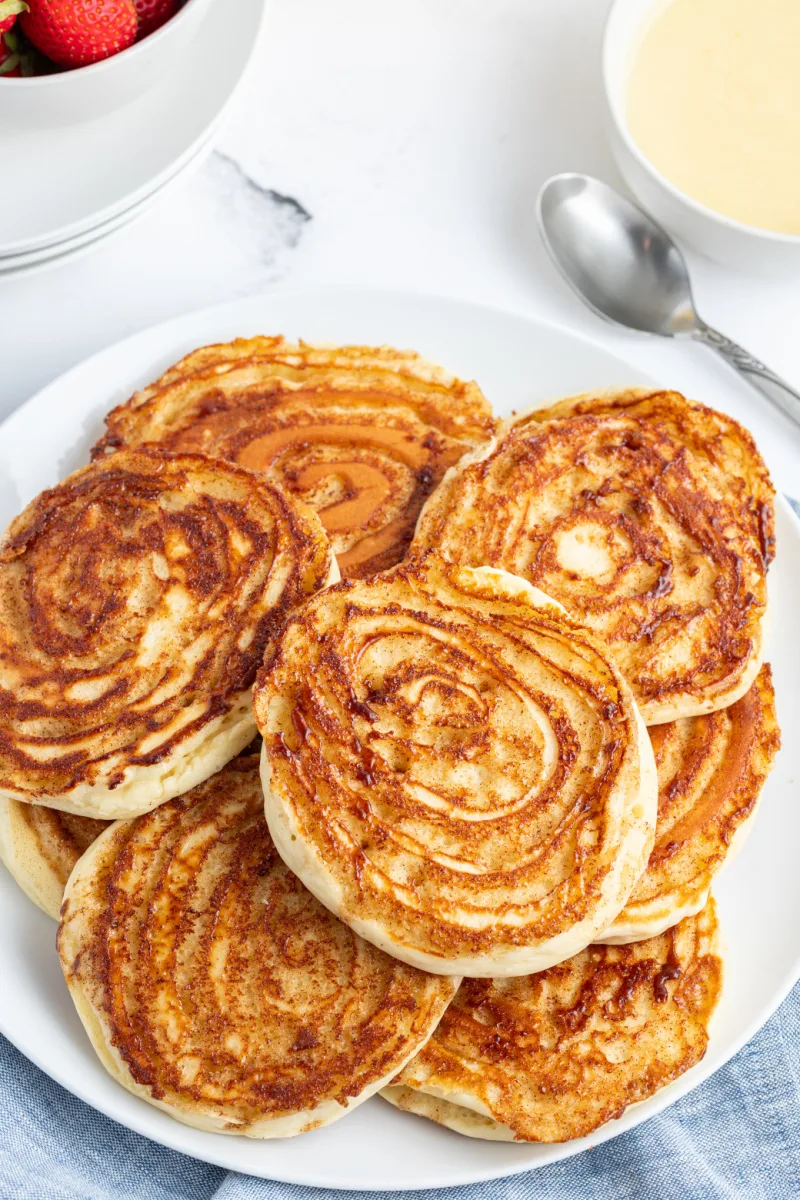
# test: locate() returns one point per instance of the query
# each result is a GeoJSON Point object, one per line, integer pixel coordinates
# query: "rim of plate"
{"type": "Point", "coordinates": [222, 1151]}
{"type": "Point", "coordinates": [249, 38]}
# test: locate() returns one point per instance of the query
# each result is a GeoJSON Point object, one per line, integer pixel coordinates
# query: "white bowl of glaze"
{"type": "Point", "coordinates": [85, 93]}
{"type": "Point", "coordinates": [727, 241]}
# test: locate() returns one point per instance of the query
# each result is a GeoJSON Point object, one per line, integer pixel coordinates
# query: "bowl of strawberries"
{"type": "Point", "coordinates": [65, 61]}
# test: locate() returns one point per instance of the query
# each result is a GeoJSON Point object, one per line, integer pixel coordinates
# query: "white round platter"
{"type": "Point", "coordinates": [518, 362]}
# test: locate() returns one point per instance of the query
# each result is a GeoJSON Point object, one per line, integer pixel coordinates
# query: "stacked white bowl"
{"type": "Point", "coordinates": [117, 135]}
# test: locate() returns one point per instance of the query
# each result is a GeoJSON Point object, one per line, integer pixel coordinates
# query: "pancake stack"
{"type": "Point", "coordinates": [515, 714]}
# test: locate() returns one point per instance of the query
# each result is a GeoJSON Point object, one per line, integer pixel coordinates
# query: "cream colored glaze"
{"type": "Point", "coordinates": [714, 103]}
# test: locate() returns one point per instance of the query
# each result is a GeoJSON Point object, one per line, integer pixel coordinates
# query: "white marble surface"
{"type": "Point", "coordinates": [396, 144]}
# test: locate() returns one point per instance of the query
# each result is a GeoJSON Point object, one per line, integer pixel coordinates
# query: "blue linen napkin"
{"type": "Point", "coordinates": [737, 1137]}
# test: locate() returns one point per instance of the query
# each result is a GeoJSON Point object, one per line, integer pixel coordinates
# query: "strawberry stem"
{"type": "Point", "coordinates": [12, 8]}
{"type": "Point", "coordinates": [9, 59]}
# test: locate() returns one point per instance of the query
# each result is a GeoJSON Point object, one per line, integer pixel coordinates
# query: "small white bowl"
{"type": "Point", "coordinates": [84, 93]}
{"type": "Point", "coordinates": [732, 243]}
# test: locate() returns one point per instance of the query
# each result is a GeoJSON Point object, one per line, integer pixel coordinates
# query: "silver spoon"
{"type": "Point", "coordinates": [629, 271]}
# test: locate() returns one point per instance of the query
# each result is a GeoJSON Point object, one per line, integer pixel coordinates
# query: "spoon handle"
{"type": "Point", "coordinates": [776, 390]}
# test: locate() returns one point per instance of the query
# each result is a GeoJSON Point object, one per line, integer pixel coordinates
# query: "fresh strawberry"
{"type": "Point", "coordinates": [9, 11]}
{"type": "Point", "coordinates": [74, 33]}
{"type": "Point", "coordinates": [154, 13]}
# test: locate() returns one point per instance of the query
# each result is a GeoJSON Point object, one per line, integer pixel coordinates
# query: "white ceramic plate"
{"type": "Point", "coordinates": [517, 362]}
{"type": "Point", "coordinates": [68, 181]}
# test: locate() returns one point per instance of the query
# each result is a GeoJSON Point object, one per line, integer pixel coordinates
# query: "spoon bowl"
{"type": "Point", "coordinates": [619, 261]}
{"type": "Point", "coordinates": [627, 269]}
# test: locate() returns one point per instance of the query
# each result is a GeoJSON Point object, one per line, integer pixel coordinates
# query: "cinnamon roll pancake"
{"type": "Point", "coordinates": [455, 768]}
{"type": "Point", "coordinates": [711, 771]}
{"type": "Point", "coordinates": [362, 435]}
{"type": "Point", "coordinates": [731, 462]}
{"type": "Point", "coordinates": [551, 1057]}
{"type": "Point", "coordinates": [627, 510]}
{"type": "Point", "coordinates": [136, 601]}
{"type": "Point", "coordinates": [39, 846]}
{"type": "Point", "coordinates": [215, 987]}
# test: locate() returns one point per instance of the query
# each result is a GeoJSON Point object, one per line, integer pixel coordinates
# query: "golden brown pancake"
{"type": "Point", "coordinates": [455, 768]}
{"type": "Point", "coordinates": [711, 771]}
{"type": "Point", "coordinates": [726, 449]}
{"type": "Point", "coordinates": [214, 986]}
{"type": "Point", "coordinates": [363, 435]}
{"type": "Point", "coordinates": [39, 846]}
{"type": "Point", "coordinates": [625, 508]}
{"type": "Point", "coordinates": [551, 1057]}
{"type": "Point", "coordinates": [136, 601]}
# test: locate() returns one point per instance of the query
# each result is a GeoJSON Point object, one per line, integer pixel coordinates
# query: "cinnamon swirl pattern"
{"type": "Point", "coordinates": [136, 601]}
{"type": "Point", "coordinates": [39, 846]}
{"type": "Point", "coordinates": [627, 514]}
{"type": "Point", "coordinates": [553, 1056]}
{"type": "Point", "coordinates": [455, 768]}
{"type": "Point", "coordinates": [214, 986]}
{"type": "Point", "coordinates": [711, 771]}
{"type": "Point", "coordinates": [731, 463]}
{"type": "Point", "coordinates": [362, 435]}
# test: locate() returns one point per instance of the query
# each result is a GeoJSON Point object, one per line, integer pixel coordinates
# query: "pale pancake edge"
{"type": "Point", "coordinates": [39, 846]}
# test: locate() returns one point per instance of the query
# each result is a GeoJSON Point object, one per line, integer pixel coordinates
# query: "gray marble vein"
{"type": "Point", "coordinates": [272, 222]}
